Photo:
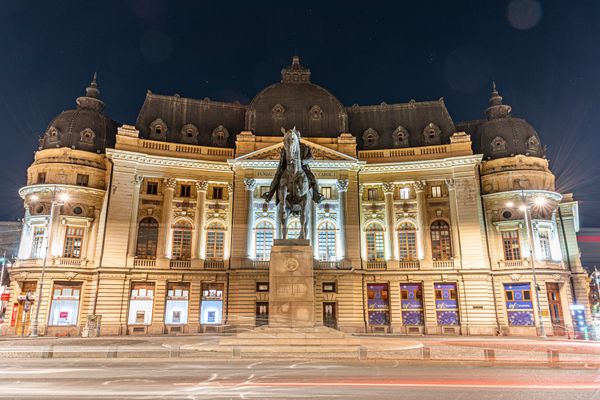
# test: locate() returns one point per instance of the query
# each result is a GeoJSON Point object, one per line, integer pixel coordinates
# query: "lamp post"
{"type": "Point", "coordinates": [526, 209]}
{"type": "Point", "coordinates": [63, 197]}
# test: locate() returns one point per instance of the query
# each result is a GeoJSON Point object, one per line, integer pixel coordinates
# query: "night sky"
{"type": "Point", "coordinates": [544, 56]}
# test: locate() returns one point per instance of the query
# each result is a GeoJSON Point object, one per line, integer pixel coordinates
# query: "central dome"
{"type": "Point", "coordinates": [295, 101]}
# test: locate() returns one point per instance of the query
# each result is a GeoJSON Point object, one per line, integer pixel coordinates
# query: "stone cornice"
{"type": "Point", "coordinates": [316, 164]}
{"type": "Point", "coordinates": [526, 193]}
{"type": "Point", "coordinates": [145, 159]}
{"type": "Point", "coordinates": [422, 165]}
{"type": "Point", "coordinates": [49, 188]}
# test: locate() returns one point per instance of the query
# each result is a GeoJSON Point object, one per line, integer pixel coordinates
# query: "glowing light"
{"type": "Point", "coordinates": [63, 197]}
{"type": "Point", "coordinates": [522, 207]}
{"type": "Point", "coordinates": [510, 204]}
{"type": "Point", "coordinates": [34, 197]}
{"type": "Point", "coordinates": [540, 201]}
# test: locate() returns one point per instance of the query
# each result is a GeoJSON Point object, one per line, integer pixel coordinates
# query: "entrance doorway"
{"type": "Point", "coordinates": [555, 306]}
{"type": "Point", "coordinates": [23, 317]}
{"type": "Point", "coordinates": [262, 313]}
{"type": "Point", "coordinates": [330, 315]}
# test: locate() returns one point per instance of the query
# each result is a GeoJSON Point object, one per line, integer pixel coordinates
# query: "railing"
{"type": "Point", "coordinates": [214, 264]}
{"type": "Point", "coordinates": [513, 263]}
{"type": "Point", "coordinates": [328, 265]}
{"type": "Point", "coordinates": [376, 265]}
{"type": "Point", "coordinates": [443, 264]}
{"type": "Point", "coordinates": [408, 264]}
{"type": "Point", "coordinates": [144, 262]}
{"type": "Point", "coordinates": [398, 153]}
{"type": "Point", "coordinates": [188, 149]}
{"type": "Point", "coordinates": [260, 264]}
{"type": "Point", "coordinates": [180, 264]}
{"type": "Point", "coordinates": [68, 261]}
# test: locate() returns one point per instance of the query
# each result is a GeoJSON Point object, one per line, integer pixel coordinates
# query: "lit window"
{"type": "Point", "coordinates": [152, 188]}
{"type": "Point", "coordinates": [327, 243]}
{"type": "Point", "coordinates": [329, 287]}
{"type": "Point", "coordinates": [147, 238]}
{"type": "Point", "coordinates": [372, 194]}
{"type": "Point", "coordinates": [375, 243]}
{"type": "Point", "coordinates": [37, 244]}
{"type": "Point", "coordinates": [441, 248]}
{"type": "Point", "coordinates": [544, 238]}
{"type": "Point", "coordinates": [404, 193]}
{"type": "Point", "coordinates": [182, 241]}
{"type": "Point", "coordinates": [326, 192]}
{"type": "Point", "coordinates": [82, 180]}
{"type": "Point", "coordinates": [65, 304]}
{"type": "Point", "coordinates": [262, 286]}
{"type": "Point", "coordinates": [185, 191]}
{"type": "Point", "coordinates": [215, 238]}
{"type": "Point", "coordinates": [436, 191]}
{"type": "Point", "coordinates": [41, 177]}
{"type": "Point", "coordinates": [293, 229]}
{"type": "Point", "coordinates": [264, 240]}
{"type": "Point", "coordinates": [510, 243]}
{"type": "Point", "coordinates": [407, 242]}
{"type": "Point", "coordinates": [73, 241]}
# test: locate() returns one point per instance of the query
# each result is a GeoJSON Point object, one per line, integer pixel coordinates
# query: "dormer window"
{"type": "Point", "coordinates": [220, 136]}
{"type": "Point", "coordinates": [87, 136]}
{"type": "Point", "coordinates": [533, 146]}
{"type": "Point", "coordinates": [316, 113]}
{"type": "Point", "coordinates": [158, 129]}
{"type": "Point", "coordinates": [189, 133]}
{"type": "Point", "coordinates": [431, 134]}
{"type": "Point", "coordinates": [370, 137]}
{"type": "Point", "coordinates": [278, 110]}
{"type": "Point", "coordinates": [498, 145]}
{"type": "Point", "coordinates": [400, 136]}
{"type": "Point", "coordinates": [52, 134]}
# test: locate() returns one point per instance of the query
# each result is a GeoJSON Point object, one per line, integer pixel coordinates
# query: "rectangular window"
{"type": "Point", "coordinates": [262, 286]}
{"type": "Point", "coordinates": [152, 188]}
{"type": "Point", "coordinates": [176, 309]}
{"type": "Point", "coordinates": [446, 303]}
{"type": "Point", "coordinates": [411, 303]}
{"type": "Point", "coordinates": [73, 242]}
{"type": "Point", "coordinates": [544, 237]}
{"type": "Point", "coordinates": [372, 194]}
{"type": "Point", "coordinates": [436, 191]}
{"type": "Point", "coordinates": [140, 303]}
{"type": "Point", "coordinates": [82, 180]}
{"type": "Point", "coordinates": [378, 303]}
{"type": "Point", "coordinates": [329, 287]}
{"type": "Point", "coordinates": [65, 303]}
{"type": "Point", "coordinates": [326, 192]}
{"type": "Point", "coordinates": [37, 243]}
{"type": "Point", "coordinates": [217, 193]}
{"type": "Point", "coordinates": [404, 193]}
{"type": "Point", "coordinates": [211, 310]}
{"type": "Point", "coordinates": [519, 307]}
{"type": "Point", "coordinates": [215, 247]}
{"type": "Point", "coordinates": [185, 191]}
{"type": "Point", "coordinates": [41, 177]}
{"type": "Point", "coordinates": [511, 246]}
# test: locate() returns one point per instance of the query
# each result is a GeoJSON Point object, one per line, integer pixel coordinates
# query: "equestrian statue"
{"type": "Point", "coordinates": [294, 183]}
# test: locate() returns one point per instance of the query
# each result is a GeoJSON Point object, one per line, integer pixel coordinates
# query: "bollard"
{"type": "Point", "coordinates": [111, 353]}
{"type": "Point", "coordinates": [553, 356]}
{"type": "Point", "coordinates": [48, 352]}
{"type": "Point", "coordinates": [362, 353]}
{"type": "Point", "coordinates": [174, 351]}
{"type": "Point", "coordinates": [236, 352]}
{"type": "Point", "coordinates": [489, 354]}
{"type": "Point", "coordinates": [425, 353]}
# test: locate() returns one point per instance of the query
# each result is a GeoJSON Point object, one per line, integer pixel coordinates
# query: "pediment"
{"type": "Point", "coordinates": [320, 153]}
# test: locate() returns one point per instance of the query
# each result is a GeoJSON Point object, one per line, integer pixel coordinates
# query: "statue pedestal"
{"type": "Point", "coordinates": [291, 285]}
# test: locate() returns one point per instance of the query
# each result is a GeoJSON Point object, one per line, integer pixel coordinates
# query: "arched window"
{"type": "Point", "coordinates": [215, 239]}
{"type": "Point", "coordinates": [441, 247]}
{"type": "Point", "coordinates": [407, 242]}
{"type": "Point", "coordinates": [293, 229]}
{"type": "Point", "coordinates": [264, 240]}
{"type": "Point", "coordinates": [182, 241]}
{"type": "Point", "coordinates": [327, 243]}
{"type": "Point", "coordinates": [147, 238]}
{"type": "Point", "coordinates": [375, 243]}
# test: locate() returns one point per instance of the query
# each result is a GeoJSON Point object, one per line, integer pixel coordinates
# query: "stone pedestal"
{"type": "Point", "coordinates": [291, 290]}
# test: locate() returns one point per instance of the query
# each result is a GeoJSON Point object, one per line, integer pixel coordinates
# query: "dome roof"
{"type": "Point", "coordinates": [295, 101]}
{"type": "Point", "coordinates": [503, 135]}
{"type": "Point", "coordinates": [85, 127]}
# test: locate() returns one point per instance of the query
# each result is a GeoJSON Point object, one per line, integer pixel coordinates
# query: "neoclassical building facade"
{"type": "Point", "coordinates": [160, 226]}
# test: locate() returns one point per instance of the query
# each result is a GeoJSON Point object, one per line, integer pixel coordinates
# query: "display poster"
{"type": "Point", "coordinates": [519, 306]}
{"type": "Point", "coordinates": [378, 303]}
{"type": "Point", "coordinates": [446, 303]}
{"type": "Point", "coordinates": [412, 303]}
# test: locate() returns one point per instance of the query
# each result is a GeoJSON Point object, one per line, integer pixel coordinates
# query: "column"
{"type": "Point", "coordinates": [250, 184]}
{"type": "Point", "coordinates": [164, 236]}
{"type": "Point", "coordinates": [342, 188]}
{"type": "Point", "coordinates": [388, 191]}
{"type": "Point", "coordinates": [198, 236]}
{"type": "Point", "coordinates": [451, 185]}
{"type": "Point", "coordinates": [228, 223]}
{"type": "Point", "coordinates": [93, 236]}
{"type": "Point", "coordinates": [423, 228]}
{"type": "Point", "coordinates": [135, 201]}
{"type": "Point", "coordinates": [313, 229]}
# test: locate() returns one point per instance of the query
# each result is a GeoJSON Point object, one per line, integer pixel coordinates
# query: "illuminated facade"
{"type": "Point", "coordinates": [164, 229]}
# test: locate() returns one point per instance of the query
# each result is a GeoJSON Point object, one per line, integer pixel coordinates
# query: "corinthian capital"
{"type": "Point", "coordinates": [250, 183]}
{"type": "Point", "coordinates": [170, 183]}
{"type": "Point", "coordinates": [342, 185]}
{"type": "Point", "coordinates": [388, 188]}
{"type": "Point", "coordinates": [201, 186]}
{"type": "Point", "coordinates": [420, 185]}
{"type": "Point", "coordinates": [450, 183]}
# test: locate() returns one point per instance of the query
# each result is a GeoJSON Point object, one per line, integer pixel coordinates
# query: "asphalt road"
{"type": "Point", "coordinates": [193, 379]}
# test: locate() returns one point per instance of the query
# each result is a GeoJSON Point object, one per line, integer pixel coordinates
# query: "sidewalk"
{"type": "Point", "coordinates": [409, 348]}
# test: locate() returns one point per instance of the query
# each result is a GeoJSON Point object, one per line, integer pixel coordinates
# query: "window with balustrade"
{"type": "Point", "coordinates": [215, 239]}
{"type": "Point", "coordinates": [293, 229]}
{"type": "Point", "coordinates": [73, 242]}
{"type": "Point", "coordinates": [441, 244]}
{"type": "Point", "coordinates": [511, 245]}
{"type": "Point", "coordinates": [545, 247]}
{"type": "Point", "coordinates": [263, 239]}
{"type": "Point", "coordinates": [326, 233]}
{"type": "Point", "coordinates": [147, 238]}
{"type": "Point", "coordinates": [37, 242]}
{"type": "Point", "coordinates": [182, 241]}
{"type": "Point", "coordinates": [375, 242]}
{"type": "Point", "coordinates": [407, 242]}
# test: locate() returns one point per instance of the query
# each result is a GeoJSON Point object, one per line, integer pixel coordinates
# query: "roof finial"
{"type": "Point", "coordinates": [92, 90]}
{"type": "Point", "coordinates": [496, 108]}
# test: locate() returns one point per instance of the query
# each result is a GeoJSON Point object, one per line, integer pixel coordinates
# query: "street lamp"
{"type": "Point", "coordinates": [526, 209]}
{"type": "Point", "coordinates": [62, 198]}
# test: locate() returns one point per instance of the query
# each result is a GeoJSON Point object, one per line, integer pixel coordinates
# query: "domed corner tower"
{"type": "Point", "coordinates": [70, 171]}
{"type": "Point", "coordinates": [525, 224]}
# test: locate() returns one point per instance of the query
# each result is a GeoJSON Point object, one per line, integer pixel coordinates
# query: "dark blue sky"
{"type": "Point", "coordinates": [544, 56]}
